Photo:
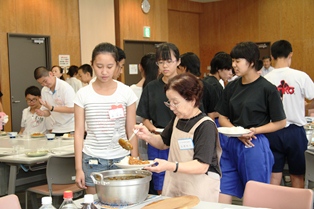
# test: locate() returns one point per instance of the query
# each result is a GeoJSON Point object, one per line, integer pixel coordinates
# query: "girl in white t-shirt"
{"type": "Point", "coordinates": [108, 108]}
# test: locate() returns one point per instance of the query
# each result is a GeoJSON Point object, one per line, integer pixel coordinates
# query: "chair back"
{"type": "Point", "coordinates": [257, 194]}
{"type": "Point", "coordinates": [60, 170]}
{"type": "Point", "coordinates": [10, 201]}
{"type": "Point", "coordinates": [309, 165]}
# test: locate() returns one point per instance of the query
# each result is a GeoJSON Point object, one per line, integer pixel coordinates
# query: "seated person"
{"type": "Point", "coordinates": [31, 122]}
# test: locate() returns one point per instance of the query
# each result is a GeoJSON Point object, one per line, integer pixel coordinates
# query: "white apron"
{"type": "Point", "coordinates": [205, 187]}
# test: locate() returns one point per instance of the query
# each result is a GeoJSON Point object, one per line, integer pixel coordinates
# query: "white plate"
{"type": "Point", "coordinates": [233, 131]}
{"type": "Point", "coordinates": [124, 163]}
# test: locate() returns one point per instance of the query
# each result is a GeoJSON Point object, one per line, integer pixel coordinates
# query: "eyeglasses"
{"type": "Point", "coordinates": [169, 104]}
{"type": "Point", "coordinates": [168, 62]}
{"type": "Point", "coordinates": [31, 100]}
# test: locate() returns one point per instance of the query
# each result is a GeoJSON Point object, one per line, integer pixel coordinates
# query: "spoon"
{"type": "Point", "coordinates": [126, 144]}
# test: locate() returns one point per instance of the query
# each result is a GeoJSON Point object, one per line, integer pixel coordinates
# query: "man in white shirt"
{"type": "Point", "coordinates": [85, 73]}
{"type": "Point", "coordinates": [57, 98]}
{"type": "Point", "coordinates": [266, 65]}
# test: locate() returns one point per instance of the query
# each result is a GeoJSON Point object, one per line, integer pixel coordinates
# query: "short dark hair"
{"type": "Point", "coordinates": [33, 90]}
{"type": "Point", "coordinates": [163, 51]}
{"type": "Point", "coordinates": [281, 49]}
{"type": "Point", "coordinates": [248, 51]}
{"type": "Point", "coordinates": [148, 63]}
{"type": "Point", "coordinates": [86, 68]}
{"type": "Point", "coordinates": [40, 72]}
{"type": "Point", "coordinates": [188, 86]}
{"type": "Point", "coordinates": [72, 71]}
{"type": "Point", "coordinates": [105, 48]}
{"type": "Point", "coordinates": [266, 57]}
{"type": "Point", "coordinates": [121, 54]}
{"type": "Point", "coordinates": [221, 60]}
{"type": "Point", "coordinates": [191, 62]}
{"type": "Point", "coordinates": [260, 65]}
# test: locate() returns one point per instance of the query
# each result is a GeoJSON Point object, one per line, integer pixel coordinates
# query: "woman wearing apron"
{"type": "Point", "coordinates": [194, 150]}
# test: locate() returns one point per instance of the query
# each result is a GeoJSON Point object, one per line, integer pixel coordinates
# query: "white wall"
{"type": "Point", "coordinates": [96, 25]}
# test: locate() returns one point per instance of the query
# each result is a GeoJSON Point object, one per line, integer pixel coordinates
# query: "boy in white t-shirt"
{"type": "Point", "coordinates": [31, 122]}
{"type": "Point", "coordinates": [289, 143]}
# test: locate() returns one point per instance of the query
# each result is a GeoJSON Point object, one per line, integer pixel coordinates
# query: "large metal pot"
{"type": "Point", "coordinates": [122, 192]}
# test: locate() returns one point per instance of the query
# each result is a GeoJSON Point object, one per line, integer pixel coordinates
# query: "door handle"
{"type": "Point", "coordinates": [17, 101]}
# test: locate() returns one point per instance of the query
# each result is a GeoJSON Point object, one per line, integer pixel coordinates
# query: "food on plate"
{"type": "Point", "coordinates": [68, 135]}
{"type": "Point", "coordinates": [37, 134]}
{"type": "Point", "coordinates": [135, 161]}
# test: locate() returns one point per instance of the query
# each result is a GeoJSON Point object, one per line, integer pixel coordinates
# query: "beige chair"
{"type": "Point", "coordinates": [10, 201]}
{"type": "Point", "coordinates": [60, 174]}
{"type": "Point", "coordinates": [309, 165]}
{"type": "Point", "coordinates": [257, 194]}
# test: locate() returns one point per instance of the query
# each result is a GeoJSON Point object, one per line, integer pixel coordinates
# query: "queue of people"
{"type": "Point", "coordinates": [190, 155]}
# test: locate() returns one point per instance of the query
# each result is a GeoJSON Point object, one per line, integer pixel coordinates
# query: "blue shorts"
{"type": "Point", "coordinates": [288, 145]}
{"type": "Point", "coordinates": [240, 164]}
{"type": "Point", "coordinates": [158, 178]}
{"type": "Point", "coordinates": [103, 164]}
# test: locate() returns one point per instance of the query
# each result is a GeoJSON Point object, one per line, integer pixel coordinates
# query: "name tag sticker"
{"type": "Point", "coordinates": [116, 112]}
{"type": "Point", "coordinates": [93, 162]}
{"type": "Point", "coordinates": [186, 144]}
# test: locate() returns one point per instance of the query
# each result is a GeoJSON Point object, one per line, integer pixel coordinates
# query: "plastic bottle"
{"type": "Point", "coordinates": [68, 201]}
{"type": "Point", "coordinates": [88, 202]}
{"type": "Point", "coordinates": [46, 203]}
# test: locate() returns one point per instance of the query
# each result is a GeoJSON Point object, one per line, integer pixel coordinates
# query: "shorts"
{"type": "Point", "coordinates": [158, 178]}
{"type": "Point", "coordinates": [240, 164]}
{"type": "Point", "coordinates": [103, 164]}
{"type": "Point", "coordinates": [288, 145]}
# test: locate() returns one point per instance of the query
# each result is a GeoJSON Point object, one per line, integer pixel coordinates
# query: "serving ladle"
{"type": "Point", "coordinates": [125, 143]}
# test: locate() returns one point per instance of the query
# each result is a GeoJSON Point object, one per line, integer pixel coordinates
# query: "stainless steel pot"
{"type": "Point", "coordinates": [121, 192]}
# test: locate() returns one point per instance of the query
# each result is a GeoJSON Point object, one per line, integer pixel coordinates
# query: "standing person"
{"type": "Point", "coordinates": [267, 68]}
{"type": "Point", "coordinates": [85, 73]}
{"type": "Point", "coordinates": [151, 106]}
{"type": "Point", "coordinates": [72, 80]}
{"type": "Point", "coordinates": [57, 98]}
{"type": "Point", "coordinates": [191, 63]}
{"type": "Point", "coordinates": [31, 122]}
{"type": "Point", "coordinates": [193, 164]}
{"type": "Point", "coordinates": [108, 108]}
{"type": "Point", "coordinates": [289, 143]}
{"type": "Point", "coordinates": [57, 71]}
{"type": "Point", "coordinates": [253, 103]}
{"type": "Point", "coordinates": [220, 70]}
{"type": "Point", "coordinates": [149, 72]}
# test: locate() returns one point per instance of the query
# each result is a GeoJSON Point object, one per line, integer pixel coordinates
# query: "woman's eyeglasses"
{"type": "Point", "coordinates": [168, 62]}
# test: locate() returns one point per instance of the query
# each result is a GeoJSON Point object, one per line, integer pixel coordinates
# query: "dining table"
{"type": "Point", "coordinates": [154, 198]}
{"type": "Point", "coordinates": [28, 152]}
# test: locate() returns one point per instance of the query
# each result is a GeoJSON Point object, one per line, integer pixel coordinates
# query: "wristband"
{"type": "Point", "coordinates": [177, 166]}
{"type": "Point", "coordinates": [52, 107]}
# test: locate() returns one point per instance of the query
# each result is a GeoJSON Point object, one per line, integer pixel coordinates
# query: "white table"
{"type": "Point", "coordinates": [201, 205]}
{"type": "Point", "coordinates": [9, 156]}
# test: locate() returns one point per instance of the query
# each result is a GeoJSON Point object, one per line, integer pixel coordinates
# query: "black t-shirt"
{"type": "Point", "coordinates": [204, 139]}
{"type": "Point", "coordinates": [251, 105]}
{"type": "Point", "coordinates": [210, 97]}
{"type": "Point", "coordinates": [212, 80]}
{"type": "Point", "coordinates": [151, 105]}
